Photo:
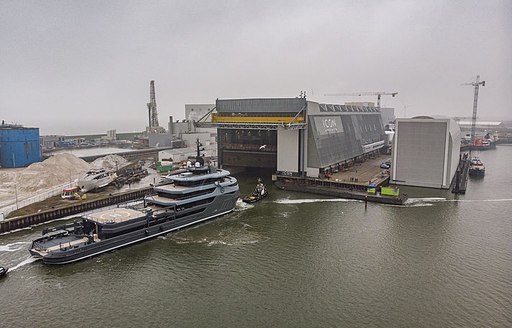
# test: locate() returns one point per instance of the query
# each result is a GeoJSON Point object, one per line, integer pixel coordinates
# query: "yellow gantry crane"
{"type": "Point", "coordinates": [359, 94]}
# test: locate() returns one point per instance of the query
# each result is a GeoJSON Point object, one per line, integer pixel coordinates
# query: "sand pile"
{"type": "Point", "coordinates": [56, 170]}
{"type": "Point", "coordinates": [109, 162]}
{"type": "Point", "coordinates": [39, 177]}
{"type": "Point", "coordinates": [7, 185]}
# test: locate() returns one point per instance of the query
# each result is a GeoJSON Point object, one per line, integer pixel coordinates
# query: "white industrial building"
{"type": "Point", "coordinates": [425, 151]}
{"type": "Point", "coordinates": [194, 112]}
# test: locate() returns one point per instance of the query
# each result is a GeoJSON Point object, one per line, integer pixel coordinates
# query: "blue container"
{"type": "Point", "coordinates": [19, 146]}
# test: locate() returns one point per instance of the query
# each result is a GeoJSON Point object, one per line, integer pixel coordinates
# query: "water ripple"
{"type": "Point", "coordinates": [13, 247]}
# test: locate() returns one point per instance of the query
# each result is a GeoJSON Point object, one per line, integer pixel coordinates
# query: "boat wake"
{"type": "Point", "coordinates": [425, 199]}
{"type": "Point", "coordinates": [241, 206]}
{"type": "Point", "coordinates": [23, 263]}
{"type": "Point", "coordinates": [13, 247]}
{"type": "Point", "coordinates": [488, 200]}
{"type": "Point", "coordinates": [421, 202]}
{"type": "Point", "coordinates": [236, 234]}
{"type": "Point", "coordinates": [429, 201]}
{"type": "Point", "coordinates": [220, 240]}
{"type": "Point", "coordinates": [304, 201]}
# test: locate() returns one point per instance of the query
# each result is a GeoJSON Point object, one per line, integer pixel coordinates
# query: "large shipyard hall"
{"type": "Point", "coordinates": [294, 136]}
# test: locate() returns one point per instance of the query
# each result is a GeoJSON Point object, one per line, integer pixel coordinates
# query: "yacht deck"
{"type": "Point", "coordinates": [160, 199]}
{"type": "Point", "coordinates": [69, 244]}
{"type": "Point", "coordinates": [116, 215]}
{"type": "Point", "coordinates": [171, 187]}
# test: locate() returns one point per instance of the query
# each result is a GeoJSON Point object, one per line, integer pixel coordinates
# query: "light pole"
{"type": "Point", "coordinates": [16, 194]}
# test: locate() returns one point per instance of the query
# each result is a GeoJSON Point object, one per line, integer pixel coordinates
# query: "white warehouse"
{"type": "Point", "coordinates": [425, 151]}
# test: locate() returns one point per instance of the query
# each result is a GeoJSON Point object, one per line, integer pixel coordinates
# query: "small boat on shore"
{"type": "Point", "coordinates": [96, 179]}
{"type": "Point", "coordinates": [258, 194]}
{"type": "Point", "coordinates": [3, 271]}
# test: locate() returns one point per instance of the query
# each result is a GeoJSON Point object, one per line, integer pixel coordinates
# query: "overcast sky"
{"type": "Point", "coordinates": [77, 67]}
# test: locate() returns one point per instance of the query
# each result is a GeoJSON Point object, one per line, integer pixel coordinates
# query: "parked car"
{"type": "Point", "coordinates": [385, 166]}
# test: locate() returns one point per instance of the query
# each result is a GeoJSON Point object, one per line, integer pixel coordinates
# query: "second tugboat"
{"type": "Point", "coordinates": [198, 194]}
{"type": "Point", "coordinates": [3, 271]}
{"type": "Point", "coordinates": [476, 168]}
{"type": "Point", "coordinates": [259, 193]}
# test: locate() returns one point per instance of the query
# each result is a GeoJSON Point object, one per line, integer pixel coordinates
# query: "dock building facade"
{"type": "Point", "coordinates": [294, 136]}
{"type": "Point", "coordinates": [425, 151]}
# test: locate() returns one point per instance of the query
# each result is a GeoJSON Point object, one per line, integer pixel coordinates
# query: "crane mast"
{"type": "Point", "coordinates": [152, 112]}
{"type": "Point", "coordinates": [476, 85]}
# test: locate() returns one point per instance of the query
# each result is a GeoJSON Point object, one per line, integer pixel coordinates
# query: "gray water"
{"type": "Point", "coordinates": [293, 260]}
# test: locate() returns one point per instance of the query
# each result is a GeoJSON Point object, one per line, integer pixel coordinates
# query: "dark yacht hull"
{"type": "Point", "coordinates": [197, 194]}
{"type": "Point", "coordinates": [476, 173]}
{"type": "Point", "coordinates": [163, 226]}
{"type": "Point", "coordinates": [96, 248]}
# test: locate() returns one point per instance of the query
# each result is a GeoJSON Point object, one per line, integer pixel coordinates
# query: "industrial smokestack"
{"type": "Point", "coordinates": [171, 128]}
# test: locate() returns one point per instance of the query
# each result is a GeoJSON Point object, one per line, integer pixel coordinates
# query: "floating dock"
{"type": "Point", "coordinates": [337, 189]}
{"type": "Point", "coordinates": [460, 179]}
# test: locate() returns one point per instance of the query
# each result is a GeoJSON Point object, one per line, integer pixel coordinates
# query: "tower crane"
{"type": "Point", "coordinates": [359, 94]}
{"type": "Point", "coordinates": [477, 85]}
{"type": "Point", "coordinates": [152, 112]}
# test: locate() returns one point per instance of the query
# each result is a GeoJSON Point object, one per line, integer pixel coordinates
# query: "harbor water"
{"type": "Point", "coordinates": [292, 260]}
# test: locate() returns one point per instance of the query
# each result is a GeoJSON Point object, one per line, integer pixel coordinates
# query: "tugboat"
{"type": "Point", "coordinates": [198, 194]}
{"type": "Point", "coordinates": [3, 272]}
{"type": "Point", "coordinates": [476, 168]}
{"type": "Point", "coordinates": [258, 194]}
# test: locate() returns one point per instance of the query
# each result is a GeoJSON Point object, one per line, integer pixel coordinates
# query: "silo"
{"type": "Point", "coordinates": [19, 146]}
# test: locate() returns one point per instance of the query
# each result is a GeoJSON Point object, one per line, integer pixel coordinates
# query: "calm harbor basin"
{"type": "Point", "coordinates": [292, 260]}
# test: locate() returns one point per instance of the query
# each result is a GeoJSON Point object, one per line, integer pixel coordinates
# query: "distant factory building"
{"type": "Point", "coordinates": [158, 140]}
{"type": "Point", "coordinates": [19, 146]}
{"type": "Point", "coordinates": [111, 135]}
{"type": "Point", "coordinates": [194, 112]}
{"type": "Point", "coordinates": [50, 142]}
{"type": "Point", "coordinates": [425, 151]}
{"type": "Point", "coordinates": [481, 127]}
{"type": "Point", "coordinates": [294, 136]}
{"type": "Point", "coordinates": [177, 129]}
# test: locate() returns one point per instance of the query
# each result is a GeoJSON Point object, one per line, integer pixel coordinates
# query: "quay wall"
{"type": "Point", "coordinates": [26, 221]}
